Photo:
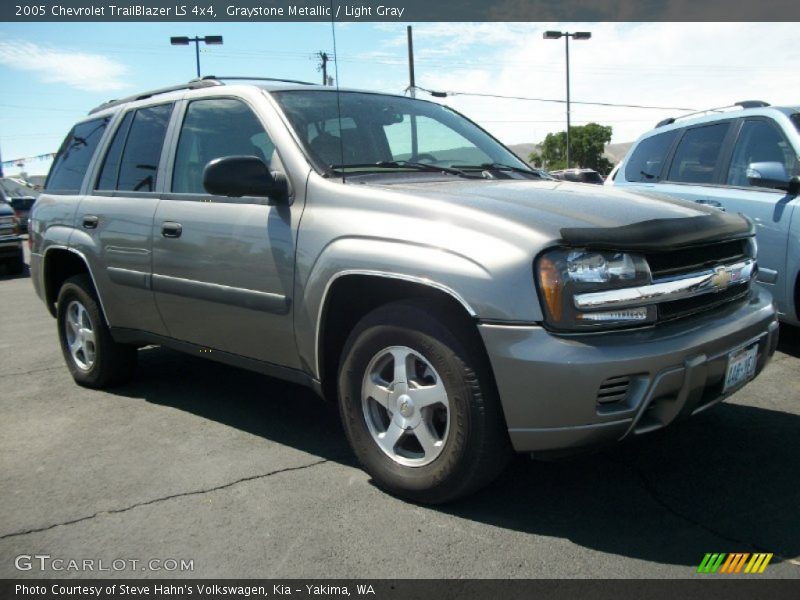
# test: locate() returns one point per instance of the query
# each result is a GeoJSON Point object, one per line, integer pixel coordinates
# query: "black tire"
{"type": "Point", "coordinates": [476, 448]}
{"type": "Point", "coordinates": [16, 266]}
{"type": "Point", "coordinates": [112, 363]}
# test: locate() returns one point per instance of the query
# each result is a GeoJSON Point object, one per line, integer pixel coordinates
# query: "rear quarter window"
{"type": "Point", "coordinates": [74, 156]}
{"type": "Point", "coordinates": [647, 160]}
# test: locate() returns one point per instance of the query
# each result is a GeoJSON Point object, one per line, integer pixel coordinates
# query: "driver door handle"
{"type": "Point", "coordinates": [170, 229]}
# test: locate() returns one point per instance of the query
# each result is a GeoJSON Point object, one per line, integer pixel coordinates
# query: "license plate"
{"type": "Point", "coordinates": [741, 367]}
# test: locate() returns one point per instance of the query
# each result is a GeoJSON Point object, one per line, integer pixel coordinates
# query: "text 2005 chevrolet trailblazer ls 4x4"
{"type": "Point", "coordinates": [395, 257]}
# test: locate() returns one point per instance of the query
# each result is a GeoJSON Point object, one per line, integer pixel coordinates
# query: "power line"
{"type": "Point", "coordinates": [438, 94]}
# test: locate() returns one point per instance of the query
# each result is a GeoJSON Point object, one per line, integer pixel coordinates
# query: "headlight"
{"type": "Point", "coordinates": [564, 272]}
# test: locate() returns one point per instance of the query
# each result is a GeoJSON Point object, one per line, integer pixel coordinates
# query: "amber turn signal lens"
{"type": "Point", "coordinates": [551, 284]}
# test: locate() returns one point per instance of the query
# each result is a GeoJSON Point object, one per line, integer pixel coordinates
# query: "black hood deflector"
{"type": "Point", "coordinates": [662, 235]}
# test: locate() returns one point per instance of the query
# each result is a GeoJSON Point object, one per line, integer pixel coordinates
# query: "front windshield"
{"type": "Point", "coordinates": [376, 131]}
{"type": "Point", "coordinates": [796, 121]}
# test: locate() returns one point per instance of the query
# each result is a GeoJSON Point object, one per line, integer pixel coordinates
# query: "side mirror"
{"type": "Point", "coordinates": [238, 176]}
{"type": "Point", "coordinates": [768, 174]}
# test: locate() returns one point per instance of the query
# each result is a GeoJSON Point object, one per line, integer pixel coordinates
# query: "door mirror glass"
{"type": "Point", "coordinates": [238, 176]}
{"type": "Point", "coordinates": [768, 174]}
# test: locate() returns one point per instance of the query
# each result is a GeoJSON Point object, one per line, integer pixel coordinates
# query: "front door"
{"type": "Point", "coordinates": [223, 268]}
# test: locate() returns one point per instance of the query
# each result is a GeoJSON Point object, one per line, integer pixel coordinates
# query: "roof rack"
{"type": "Point", "coordinates": [194, 84]}
{"type": "Point", "coordinates": [241, 78]}
{"type": "Point", "coordinates": [743, 104]}
{"type": "Point", "coordinates": [190, 85]}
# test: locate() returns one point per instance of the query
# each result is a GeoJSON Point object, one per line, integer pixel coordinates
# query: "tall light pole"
{"type": "Point", "coordinates": [578, 35]}
{"type": "Point", "coordinates": [184, 41]}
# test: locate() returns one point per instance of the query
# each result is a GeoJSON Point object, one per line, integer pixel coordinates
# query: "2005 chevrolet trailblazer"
{"type": "Point", "coordinates": [388, 252]}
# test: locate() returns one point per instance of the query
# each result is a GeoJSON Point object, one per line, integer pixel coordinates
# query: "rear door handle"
{"type": "Point", "coordinates": [90, 221]}
{"type": "Point", "coordinates": [170, 229]}
{"type": "Point", "coordinates": [713, 203]}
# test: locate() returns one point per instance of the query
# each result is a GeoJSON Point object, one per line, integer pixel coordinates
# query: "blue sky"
{"type": "Point", "coordinates": [52, 74]}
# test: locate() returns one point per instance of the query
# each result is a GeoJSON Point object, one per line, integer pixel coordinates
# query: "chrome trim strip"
{"type": "Point", "coordinates": [387, 275]}
{"type": "Point", "coordinates": [690, 286]}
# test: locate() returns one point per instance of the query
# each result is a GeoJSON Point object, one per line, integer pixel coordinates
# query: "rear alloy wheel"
{"type": "Point", "coordinates": [418, 403]}
{"type": "Point", "coordinates": [93, 357]}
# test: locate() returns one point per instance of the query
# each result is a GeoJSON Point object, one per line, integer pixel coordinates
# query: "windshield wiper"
{"type": "Point", "coordinates": [397, 164]}
{"type": "Point", "coordinates": [499, 167]}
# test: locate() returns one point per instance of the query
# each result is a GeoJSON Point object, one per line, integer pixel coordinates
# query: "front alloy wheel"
{"type": "Point", "coordinates": [405, 406]}
{"type": "Point", "coordinates": [418, 402]}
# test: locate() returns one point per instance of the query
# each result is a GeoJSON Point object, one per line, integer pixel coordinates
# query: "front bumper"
{"type": "Point", "coordinates": [549, 384]}
{"type": "Point", "coordinates": [10, 246]}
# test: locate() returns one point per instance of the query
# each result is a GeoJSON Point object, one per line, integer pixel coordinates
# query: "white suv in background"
{"type": "Point", "coordinates": [740, 161]}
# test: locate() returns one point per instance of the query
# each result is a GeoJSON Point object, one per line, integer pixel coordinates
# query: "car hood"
{"type": "Point", "coordinates": [582, 213]}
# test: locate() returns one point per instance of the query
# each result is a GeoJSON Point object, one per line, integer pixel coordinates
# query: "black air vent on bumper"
{"type": "Point", "coordinates": [614, 390]}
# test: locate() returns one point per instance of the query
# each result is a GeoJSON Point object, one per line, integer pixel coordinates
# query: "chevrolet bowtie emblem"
{"type": "Point", "coordinates": [721, 278]}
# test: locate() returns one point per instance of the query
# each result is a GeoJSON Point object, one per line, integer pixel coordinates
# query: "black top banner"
{"type": "Point", "coordinates": [400, 10]}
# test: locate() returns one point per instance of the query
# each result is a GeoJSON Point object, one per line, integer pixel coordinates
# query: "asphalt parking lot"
{"type": "Point", "coordinates": [251, 477]}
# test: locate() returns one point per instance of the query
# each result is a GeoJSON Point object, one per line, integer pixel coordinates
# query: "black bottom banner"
{"type": "Point", "coordinates": [387, 589]}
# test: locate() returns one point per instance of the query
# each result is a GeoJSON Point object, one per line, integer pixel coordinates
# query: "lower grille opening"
{"type": "Point", "coordinates": [614, 390]}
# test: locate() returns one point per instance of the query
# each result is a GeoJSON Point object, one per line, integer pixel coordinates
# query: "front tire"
{"type": "Point", "coordinates": [93, 358]}
{"type": "Point", "coordinates": [16, 266]}
{"type": "Point", "coordinates": [419, 405]}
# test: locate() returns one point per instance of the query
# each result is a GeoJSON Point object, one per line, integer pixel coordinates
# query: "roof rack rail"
{"type": "Point", "coordinates": [190, 85]}
{"type": "Point", "coordinates": [742, 104]}
{"type": "Point", "coordinates": [242, 78]}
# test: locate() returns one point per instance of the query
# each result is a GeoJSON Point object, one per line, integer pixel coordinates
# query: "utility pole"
{"type": "Point", "coordinates": [323, 56]}
{"type": "Point", "coordinates": [412, 86]}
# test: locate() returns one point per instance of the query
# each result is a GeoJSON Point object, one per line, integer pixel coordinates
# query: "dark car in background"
{"type": "Point", "coordinates": [21, 199]}
{"type": "Point", "coordinates": [11, 253]}
{"type": "Point", "coordinates": [578, 176]}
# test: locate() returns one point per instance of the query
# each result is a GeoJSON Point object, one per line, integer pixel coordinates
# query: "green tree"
{"type": "Point", "coordinates": [587, 143]}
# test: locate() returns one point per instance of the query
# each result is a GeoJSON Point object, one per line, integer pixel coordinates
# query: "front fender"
{"type": "Point", "coordinates": [468, 282]}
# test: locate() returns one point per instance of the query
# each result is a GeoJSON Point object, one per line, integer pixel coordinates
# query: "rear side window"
{"type": "Point", "coordinates": [110, 170]}
{"type": "Point", "coordinates": [74, 156]}
{"type": "Point", "coordinates": [648, 157]}
{"type": "Point", "coordinates": [138, 167]}
{"type": "Point", "coordinates": [697, 154]}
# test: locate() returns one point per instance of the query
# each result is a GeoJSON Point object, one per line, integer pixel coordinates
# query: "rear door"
{"type": "Point", "coordinates": [115, 219]}
{"type": "Point", "coordinates": [696, 163]}
{"type": "Point", "coordinates": [223, 268]}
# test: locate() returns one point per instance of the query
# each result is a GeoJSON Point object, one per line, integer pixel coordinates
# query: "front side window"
{"type": "Point", "coordinates": [759, 142]}
{"type": "Point", "coordinates": [697, 154]}
{"type": "Point", "coordinates": [74, 156]}
{"type": "Point", "coordinates": [357, 131]}
{"type": "Point", "coordinates": [138, 166]}
{"type": "Point", "coordinates": [212, 129]}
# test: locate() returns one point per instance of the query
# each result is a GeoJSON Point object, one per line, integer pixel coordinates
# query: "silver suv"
{"type": "Point", "coordinates": [391, 255]}
{"type": "Point", "coordinates": [744, 160]}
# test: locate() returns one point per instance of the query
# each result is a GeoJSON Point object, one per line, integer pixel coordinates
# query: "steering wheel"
{"type": "Point", "coordinates": [424, 157]}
